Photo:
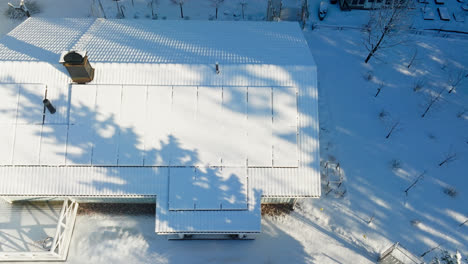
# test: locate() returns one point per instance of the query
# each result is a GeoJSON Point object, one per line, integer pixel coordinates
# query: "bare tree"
{"type": "Point", "coordinates": [383, 114]}
{"type": "Point", "coordinates": [371, 219]}
{"type": "Point", "coordinates": [97, 10]}
{"type": "Point", "coordinates": [392, 129]}
{"type": "Point", "coordinates": [243, 4]}
{"type": "Point", "coordinates": [434, 98]}
{"type": "Point", "coordinates": [120, 10]}
{"type": "Point", "coordinates": [456, 78]}
{"type": "Point", "coordinates": [413, 58]}
{"type": "Point", "coordinates": [384, 26]}
{"type": "Point", "coordinates": [448, 158]}
{"type": "Point", "coordinates": [462, 113]}
{"type": "Point", "coordinates": [180, 3]}
{"type": "Point", "coordinates": [19, 11]}
{"type": "Point", "coordinates": [152, 4]}
{"type": "Point", "coordinates": [304, 13]}
{"type": "Point", "coordinates": [466, 221]}
{"type": "Point", "coordinates": [102, 9]}
{"type": "Point", "coordinates": [414, 183]}
{"type": "Point", "coordinates": [418, 85]}
{"type": "Point", "coordinates": [216, 4]}
{"type": "Point", "coordinates": [381, 85]}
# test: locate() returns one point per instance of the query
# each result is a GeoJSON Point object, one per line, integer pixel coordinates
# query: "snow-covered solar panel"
{"type": "Point", "coordinates": [106, 130]}
{"type": "Point", "coordinates": [162, 57]}
{"type": "Point", "coordinates": [136, 125]}
{"type": "Point", "coordinates": [53, 145]}
{"type": "Point", "coordinates": [210, 122]}
{"type": "Point", "coordinates": [8, 108]}
{"type": "Point", "coordinates": [234, 127]}
{"type": "Point", "coordinates": [80, 135]}
{"type": "Point", "coordinates": [7, 136]}
{"type": "Point", "coordinates": [79, 144]}
{"type": "Point", "coordinates": [83, 104]}
{"type": "Point", "coordinates": [208, 188]}
{"type": "Point", "coordinates": [132, 125]}
{"type": "Point", "coordinates": [157, 138]}
{"type": "Point", "coordinates": [30, 105]}
{"type": "Point", "coordinates": [184, 111]}
{"type": "Point", "coordinates": [30, 114]}
{"type": "Point", "coordinates": [182, 193]}
{"type": "Point", "coordinates": [27, 143]}
{"type": "Point", "coordinates": [284, 127]}
{"type": "Point", "coordinates": [58, 97]}
{"type": "Point", "coordinates": [231, 188]}
{"type": "Point", "coordinates": [259, 131]}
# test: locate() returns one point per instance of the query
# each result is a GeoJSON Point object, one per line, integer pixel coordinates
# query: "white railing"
{"type": "Point", "coordinates": [61, 242]}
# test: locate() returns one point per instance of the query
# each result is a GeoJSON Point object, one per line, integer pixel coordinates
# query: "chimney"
{"type": "Point", "coordinates": [78, 66]}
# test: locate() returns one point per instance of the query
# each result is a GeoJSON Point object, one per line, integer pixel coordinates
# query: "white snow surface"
{"type": "Point", "coordinates": [255, 114]}
{"type": "Point", "coordinates": [333, 229]}
{"type": "Point", "coordinates": [253, 118]}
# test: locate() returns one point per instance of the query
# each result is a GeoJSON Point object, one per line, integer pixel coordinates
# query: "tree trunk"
{"type": "Point", "coordinates": [427, 109]}
{"type": "Point", "coordinates": [369, 56]}
{"type": "Point", "coordinates": [384, 33]}
{"type": "Point", "coordinates": [181, 11]}
{"type": "Point", "coordinates": [216, 13]}
{"type": "Point", "coordinates": [102, 9]}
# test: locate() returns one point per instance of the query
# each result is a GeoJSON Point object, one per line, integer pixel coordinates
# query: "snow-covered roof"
{"type": "Point", "coordinates": [143, 41]}
{"type": "Point", "coordinates": [157, 120]}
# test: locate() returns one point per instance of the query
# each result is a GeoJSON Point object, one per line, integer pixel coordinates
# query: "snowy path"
{"type": "Point", "coordinates": [126, 239]}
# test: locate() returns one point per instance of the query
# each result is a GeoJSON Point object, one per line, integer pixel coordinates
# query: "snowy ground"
{"type": "Point", "coordinates": [353, 125]}
{"type": "Point", "coordinates": [355, 135]}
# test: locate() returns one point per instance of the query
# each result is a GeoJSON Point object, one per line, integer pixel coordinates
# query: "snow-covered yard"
{"type": "Point", "coordinates": [354, 126]}
{"type": "Point", "coordinates": [342, 227]}
{"type": "Point", "coordinates": [377, 170]}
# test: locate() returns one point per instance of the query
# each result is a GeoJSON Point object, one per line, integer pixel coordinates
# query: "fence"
{"type": "Point", "coordinates": [441, 33]}
{"type": "Point", "coordinates": [397, 254]}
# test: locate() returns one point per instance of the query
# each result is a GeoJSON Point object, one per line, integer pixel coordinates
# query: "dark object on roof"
{"type": "Point", "coordinates": [78, 66]}
{"type": "Point", "coordinates": [73, 58]}
{"type": "Point", "coordinates": [49, 106]}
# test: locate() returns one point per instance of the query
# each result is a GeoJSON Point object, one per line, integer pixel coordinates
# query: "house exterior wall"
{"type": "Point", "coordinates": [278, 200]}
{"type": "Point", "coordinates": [123, 199]}
{"type": "Point", "coordinates": [83, 199]}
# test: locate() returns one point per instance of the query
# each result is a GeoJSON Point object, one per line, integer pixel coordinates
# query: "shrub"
{"type": "Point", "coordinates": [14, 13]}
{"type": "Point", "coordinates": [450, 191]}
{"type": "Point", "coordinates": [368, 76]}
{"type": "Point", "coordinates": [276, 210]}
{"type": "Point", "coordinates": [395, 164]}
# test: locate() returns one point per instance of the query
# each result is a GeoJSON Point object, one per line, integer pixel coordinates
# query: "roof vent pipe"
{"type": "Point", "coordinates": [49, 106]}
{"type": "Point", "coordinates": [77, 65]}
